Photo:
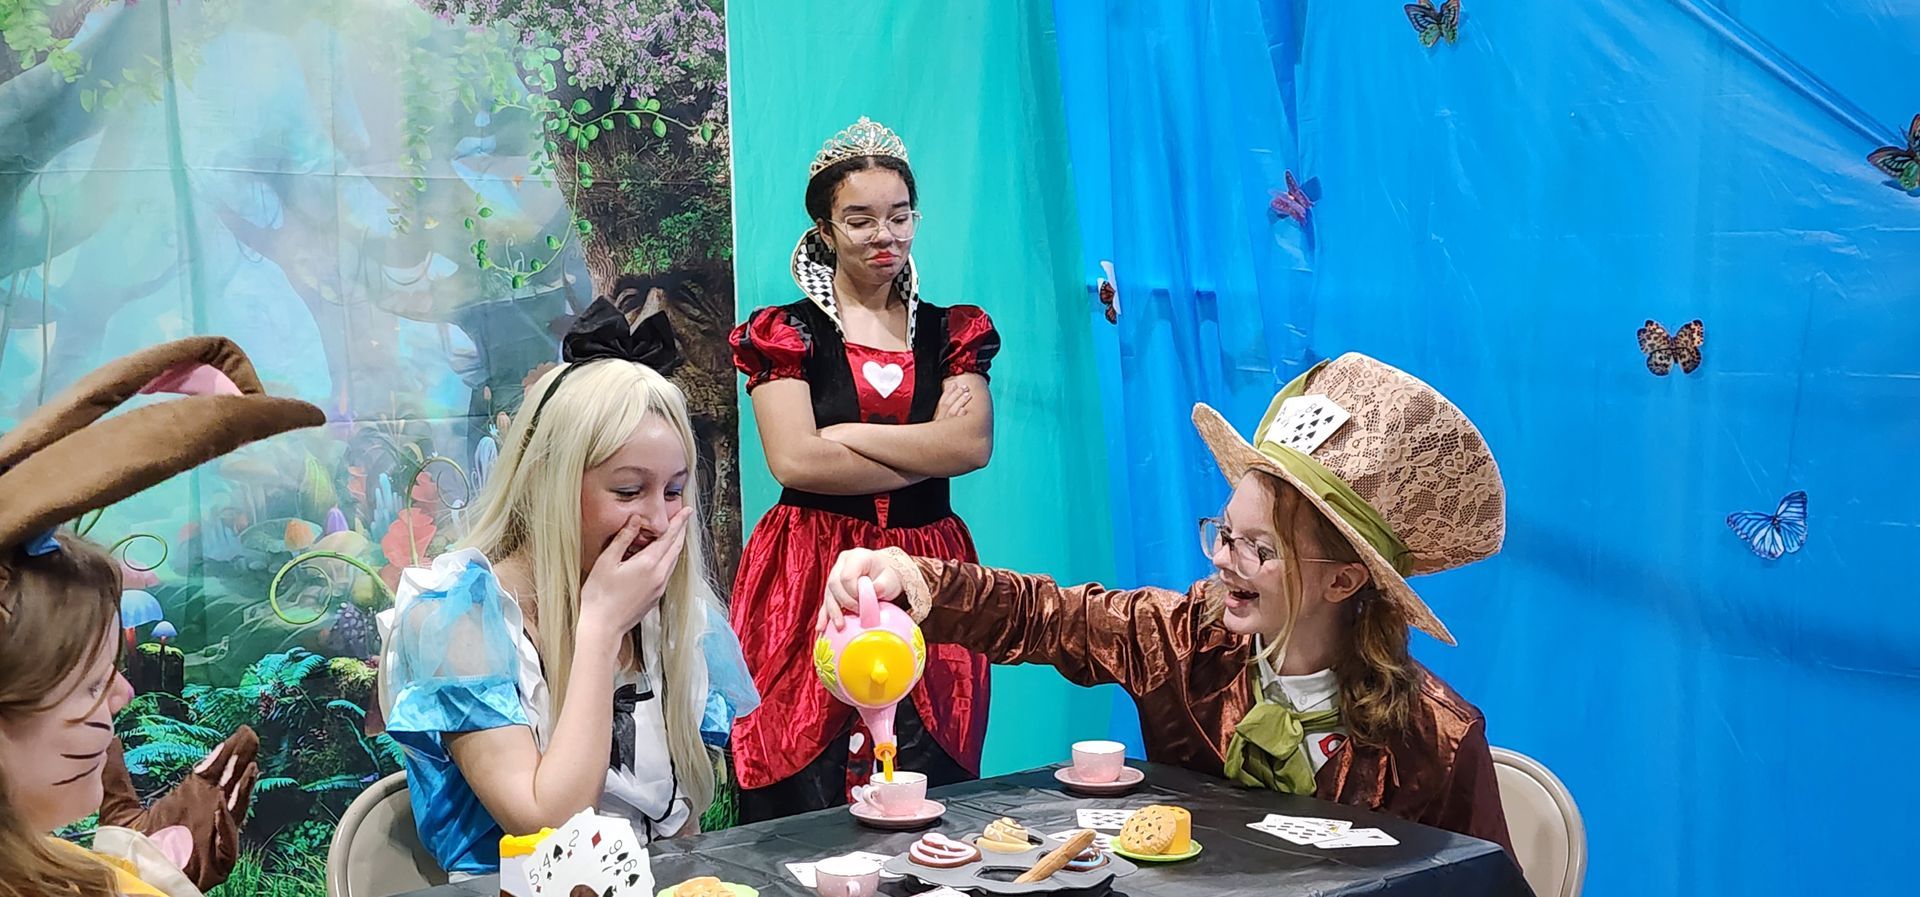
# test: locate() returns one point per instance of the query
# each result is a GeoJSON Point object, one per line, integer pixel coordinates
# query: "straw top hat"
{"type": "Point", "coordinates": [1399, 470]}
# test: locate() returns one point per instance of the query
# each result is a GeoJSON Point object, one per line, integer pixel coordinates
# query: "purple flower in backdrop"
{"type": "Point", "coordinates": [674, 51]}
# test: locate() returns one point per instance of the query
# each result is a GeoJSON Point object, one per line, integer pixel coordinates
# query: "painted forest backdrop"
{"type": "Point", "coordinates": [396, 207]}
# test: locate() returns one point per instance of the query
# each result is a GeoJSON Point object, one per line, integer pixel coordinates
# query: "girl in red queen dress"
{"type": "Point", "coordinates": [868, 400]}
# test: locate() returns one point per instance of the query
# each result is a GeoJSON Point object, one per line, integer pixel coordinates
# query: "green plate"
{"type": "Point", "coordinates": [1193, 850]}
{"type": "Point", "coordinates": [738, 890]}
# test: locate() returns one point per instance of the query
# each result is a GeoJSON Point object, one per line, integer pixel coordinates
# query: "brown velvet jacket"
{"type": "Point", "coordinates": [1191, 680]}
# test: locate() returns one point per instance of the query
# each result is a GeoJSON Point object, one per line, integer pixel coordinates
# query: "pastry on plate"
{"type": "Point", "coordinates": [937, 851]}
{"type": "Point", "coordinates": [1005, 836]}
{"type": "Point", "coordinates": [704, 886]}
{"type": "Point", "coordinates": [1157, 831]}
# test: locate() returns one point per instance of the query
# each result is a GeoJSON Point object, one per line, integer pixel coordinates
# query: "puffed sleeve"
{"type": "Point", "coordinates": [449, 655]}
{"type": "Point", "coordinates": [971, 341]}
{"type": "Point", "coordinates": [773, 344]}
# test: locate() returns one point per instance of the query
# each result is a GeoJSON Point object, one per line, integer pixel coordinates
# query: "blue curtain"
{"type": "Point", "coordinates": [1500, 216]}
{"type": "Point", "coordinates": [1177, 125]}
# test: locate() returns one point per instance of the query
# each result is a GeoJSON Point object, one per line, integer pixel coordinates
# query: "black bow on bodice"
{"type": "Point", "coordinates": [625, 699]}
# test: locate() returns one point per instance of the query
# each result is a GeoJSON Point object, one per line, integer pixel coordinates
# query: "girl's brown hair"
{"type": "Point", "coordinates": [1379, 682]}
{"type": "Point", "coordinates": [53, 609]}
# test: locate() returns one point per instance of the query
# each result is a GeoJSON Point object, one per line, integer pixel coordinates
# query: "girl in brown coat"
{"type": "Point", "coordinates": [1289, 668]}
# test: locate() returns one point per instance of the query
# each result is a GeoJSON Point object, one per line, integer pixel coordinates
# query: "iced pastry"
{"type": "Point", "coordinates": [1005, 836]}
{"type": "Point", "coordinates": [1087, 860]}
{"type": "Point", "coordinates": [938, 851]}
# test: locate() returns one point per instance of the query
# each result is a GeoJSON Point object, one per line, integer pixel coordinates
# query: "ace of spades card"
{"type": "Point", "coordinates": [590, 854]}
{"type": "Point", "coordinates": [1305, 423]}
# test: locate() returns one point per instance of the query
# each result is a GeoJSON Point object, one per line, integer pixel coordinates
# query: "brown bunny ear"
{"type": "Point", "coordinates": [112, 384]}
{"type": "Point", "coordinates": [59, 463]}
{"type": "Point", "coordinates": [116, 458]}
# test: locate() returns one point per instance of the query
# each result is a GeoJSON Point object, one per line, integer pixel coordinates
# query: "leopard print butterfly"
{"type": "Point", "coordinates": [1681, 348]}
{"type": "Point", "coordinates": [1109, 294]}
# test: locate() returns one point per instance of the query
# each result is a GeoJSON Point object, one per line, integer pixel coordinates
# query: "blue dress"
{"type": "Point", "coordinates": [457, 659]}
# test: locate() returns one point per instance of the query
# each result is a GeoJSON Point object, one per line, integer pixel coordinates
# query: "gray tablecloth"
{"type": "Point", "coordinates": [1236, 860]}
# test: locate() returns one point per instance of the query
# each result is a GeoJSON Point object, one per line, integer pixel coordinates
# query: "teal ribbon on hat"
{"type": "Point", "coordinates": [1356, 511]}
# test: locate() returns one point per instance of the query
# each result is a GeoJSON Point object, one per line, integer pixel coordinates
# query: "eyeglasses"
{"type": "Point", "coordinates": [1247, 556]}
{"type": "Point", "coordinates": [866, 228]}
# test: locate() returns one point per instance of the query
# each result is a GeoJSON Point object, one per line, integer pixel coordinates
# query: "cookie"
{"type": "Point", "coordinates": [1157, 831]}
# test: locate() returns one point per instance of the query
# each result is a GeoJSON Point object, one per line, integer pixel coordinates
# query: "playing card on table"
{"type": "Point", "coordinates": [1099, 819]}
{"type": "Point", "coordinates": [1301, 830]}
{"type": "Point", "coordinates": [1101, 840]}
{"type": "Point", "coordinates": [1305, 423]}
{"type": "Point", "coordinates": [622, 859]}
{"type": "Point", "coordinates": [599, 852]}
{"type": "Point", "coordinates": [1360, 837]}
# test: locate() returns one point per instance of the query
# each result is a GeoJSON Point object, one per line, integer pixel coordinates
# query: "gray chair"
{"type": "Point", "coordinates": [1548, 837]}
{"type": "Point", "coordinates": [376, 851]}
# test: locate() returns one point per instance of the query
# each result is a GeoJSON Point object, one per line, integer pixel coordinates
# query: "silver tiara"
{"type": "Point", "coordinates": [865, 137]}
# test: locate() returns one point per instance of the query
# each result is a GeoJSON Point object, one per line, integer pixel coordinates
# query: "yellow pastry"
{"type": "Point", "coordinates": [1157, 831]}
{"type": "Point", "coordinates": [1005, 836]}
{"type": "Point", "coordinates": [705, 886]}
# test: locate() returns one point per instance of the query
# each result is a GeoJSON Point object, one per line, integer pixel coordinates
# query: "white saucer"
{"type": "Point", "coordinates": [1129, 778]}
{"type": "Point", "coordinates": [930, 811]}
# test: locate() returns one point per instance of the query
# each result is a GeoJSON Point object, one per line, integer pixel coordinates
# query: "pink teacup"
{"type": "Point", "coordinates": [904, 796]}
{"type": "Point", "coordinates": [846, 877]}
{"type": "Point", "coordinates": [1098, 762]}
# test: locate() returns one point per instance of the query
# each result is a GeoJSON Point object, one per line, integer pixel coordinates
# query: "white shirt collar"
{"type": "Point", "coordinates": [1306, 692]}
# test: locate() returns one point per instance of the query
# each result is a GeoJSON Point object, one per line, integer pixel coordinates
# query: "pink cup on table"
{"type": "Point", "coordinates": [1098, 762]}
{"type": "Point", "coordinates": [902, 797]}
{"type": "Point", "coordinates": [846, 877]}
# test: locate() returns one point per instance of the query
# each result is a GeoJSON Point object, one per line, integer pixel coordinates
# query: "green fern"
{"type": "Point", "coordinates": [225, 709]}
{"type": "Point", "coordinates": [391, 750]}
{"type": "Point", "coordinates": [286, 670]}
{"type": "Point", "coordinates": [352, 672]}
{"type": "Point", "coordinates": [335, 783]}
{"type": "Point", "coordinates": [142, 759]}
{"type": "Point", "coordinates": [302, 876]}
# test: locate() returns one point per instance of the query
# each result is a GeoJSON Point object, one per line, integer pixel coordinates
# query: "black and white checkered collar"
{"type": "Point", "coordinates": [813, 273]}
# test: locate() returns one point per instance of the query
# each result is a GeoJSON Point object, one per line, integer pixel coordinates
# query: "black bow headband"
{"type": "Point", "coordinates": [603, 332]}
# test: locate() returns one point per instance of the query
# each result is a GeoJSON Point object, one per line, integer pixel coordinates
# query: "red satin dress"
{"type": "Point", "coordinates": [800, 730]}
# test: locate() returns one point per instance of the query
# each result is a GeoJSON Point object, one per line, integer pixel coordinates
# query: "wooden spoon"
{"type": "Point", "coordinates": [1058, 859]}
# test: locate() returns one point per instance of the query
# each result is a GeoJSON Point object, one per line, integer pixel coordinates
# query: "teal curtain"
{"type": "Point", "coordinates": [973, 89]}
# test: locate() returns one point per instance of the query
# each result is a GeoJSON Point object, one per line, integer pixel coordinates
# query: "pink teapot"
{"type": "Point", "coordinates": [872, 662]}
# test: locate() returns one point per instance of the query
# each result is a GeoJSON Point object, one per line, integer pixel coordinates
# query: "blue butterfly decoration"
{"type": "Point", "coordinates": [1775, 534]}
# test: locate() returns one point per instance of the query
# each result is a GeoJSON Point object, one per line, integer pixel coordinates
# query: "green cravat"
{"type": "Point", "coordinates": [1269, 748]}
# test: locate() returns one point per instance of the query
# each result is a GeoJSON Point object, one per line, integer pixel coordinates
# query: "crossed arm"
{"type": "Point", "coordinates": [858, 458]}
